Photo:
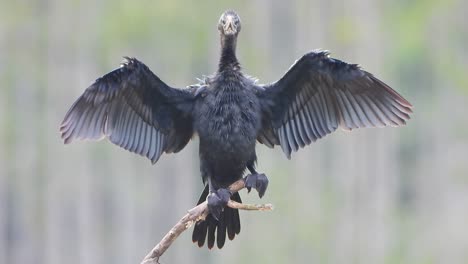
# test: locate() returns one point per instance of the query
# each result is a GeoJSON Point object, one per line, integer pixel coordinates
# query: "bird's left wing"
{"type": "Point", "coordinates": [135, 110]}
{"type": "Point", "coordinates": [319, 94]}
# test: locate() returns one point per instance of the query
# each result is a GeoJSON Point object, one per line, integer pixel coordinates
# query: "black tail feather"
{"type": "Point", "coordinates": [211, 233]}
{"type": "Point", "coordinates": [221, 234]}
{"type": "Point", "coordinates": [229, 222]}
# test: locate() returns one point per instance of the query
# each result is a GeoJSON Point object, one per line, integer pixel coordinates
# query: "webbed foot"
{"type": "Point", "coordinates": [217, 200]}
{"type": "Point", "coordinates": [259, 181]}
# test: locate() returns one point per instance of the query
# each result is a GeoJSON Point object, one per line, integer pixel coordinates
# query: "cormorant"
{"type": "Point", "coordinates": [230, 112]}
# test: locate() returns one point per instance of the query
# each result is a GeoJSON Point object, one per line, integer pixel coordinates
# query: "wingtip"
{"type": "Point", "coordinates": [154, 160]}
{"type": "Point", "coordinates": [63, 129]}
{"type": "Point", "coordinates": [397, 96]}
{"type": "Point", "coordinates": [408, 104]}
{"type": "Point", "coordinates": [67, 140]}
{"type": "Point", "coordinates": [64, 126]}
{"type": "Point", "coordinates": [404, 102]}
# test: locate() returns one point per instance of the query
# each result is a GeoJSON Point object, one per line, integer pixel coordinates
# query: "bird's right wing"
{"type": "Point", "coordinates": [135, 110]}
{"type": "Point", "coordinates": [319, 94]}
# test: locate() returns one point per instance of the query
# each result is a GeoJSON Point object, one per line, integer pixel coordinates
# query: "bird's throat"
{"type": "Point", "coordinates": [228, 60]}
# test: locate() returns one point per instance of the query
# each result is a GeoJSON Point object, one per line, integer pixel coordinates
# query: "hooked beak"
{"type": "Point", "coordinates": [230, 27]}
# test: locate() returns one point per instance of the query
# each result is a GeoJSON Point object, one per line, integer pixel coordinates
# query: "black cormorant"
{"type": "Point", "coordinates": [230, 112]}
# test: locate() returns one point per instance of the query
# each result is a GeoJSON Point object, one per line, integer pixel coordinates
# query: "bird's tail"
{"type": "Point", "coordinates": [229, 222]}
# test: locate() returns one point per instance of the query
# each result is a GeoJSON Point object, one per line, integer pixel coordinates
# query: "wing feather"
{"type": "Point", "coordinates": [135, 110]}
{"type": "Point", "coordinates": [300, 119]}
{"type": "Point", "coordinates": [310, 125]}
{"type": "Point", "coordinates": [318, 94]}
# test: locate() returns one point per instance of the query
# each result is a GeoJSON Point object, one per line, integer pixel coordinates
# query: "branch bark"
{"type": "Point", "coordinates": [194, 215]}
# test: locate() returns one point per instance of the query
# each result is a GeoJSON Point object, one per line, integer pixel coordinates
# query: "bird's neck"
{"type": "Point", "coordinates": [228, 60]}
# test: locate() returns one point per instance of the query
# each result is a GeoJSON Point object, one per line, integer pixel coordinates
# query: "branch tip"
{"type": "Point", "coordinates": [198, 213]}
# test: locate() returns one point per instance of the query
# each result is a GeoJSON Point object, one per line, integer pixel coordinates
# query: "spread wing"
{"type": "Point", "coordinates": [135, 110]}
{"type": "Point", "coordinates": [319, 94]}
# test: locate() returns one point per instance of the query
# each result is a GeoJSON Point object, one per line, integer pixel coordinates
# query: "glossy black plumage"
{"type": "Point", "coordinates": [133, 109]}
{"type": "Point", "coordinates": [229, 224]}
{"type": "Point", "coordinates": [230, 112]}
{"type": "Point", "coordinates": [319, 94]}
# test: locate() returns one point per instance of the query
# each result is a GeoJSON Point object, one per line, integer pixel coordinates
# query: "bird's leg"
{"type": "Point", "coordinates": [217, 199]}
{"type": "Point", "coordinates": [256, 180]}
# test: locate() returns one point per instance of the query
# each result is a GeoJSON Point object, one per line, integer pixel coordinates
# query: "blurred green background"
{"type": "Point", "coordinates": [369, 196]}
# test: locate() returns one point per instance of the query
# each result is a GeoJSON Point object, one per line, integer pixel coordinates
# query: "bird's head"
{"type": "Point", "coordinates": [229, 23]}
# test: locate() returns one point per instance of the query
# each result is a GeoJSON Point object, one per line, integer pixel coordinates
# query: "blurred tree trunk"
{"type": "Point", "coordinates": [65, 172]}
{"type": "Point", "coordinates": [4, 157]}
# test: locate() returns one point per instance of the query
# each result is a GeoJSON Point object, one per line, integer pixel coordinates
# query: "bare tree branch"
{"type": "Point", "coordinates": [194, 215]}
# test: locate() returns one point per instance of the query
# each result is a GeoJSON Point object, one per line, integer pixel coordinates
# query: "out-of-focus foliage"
{"type": "Point", "coordinates": [370, 196]}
